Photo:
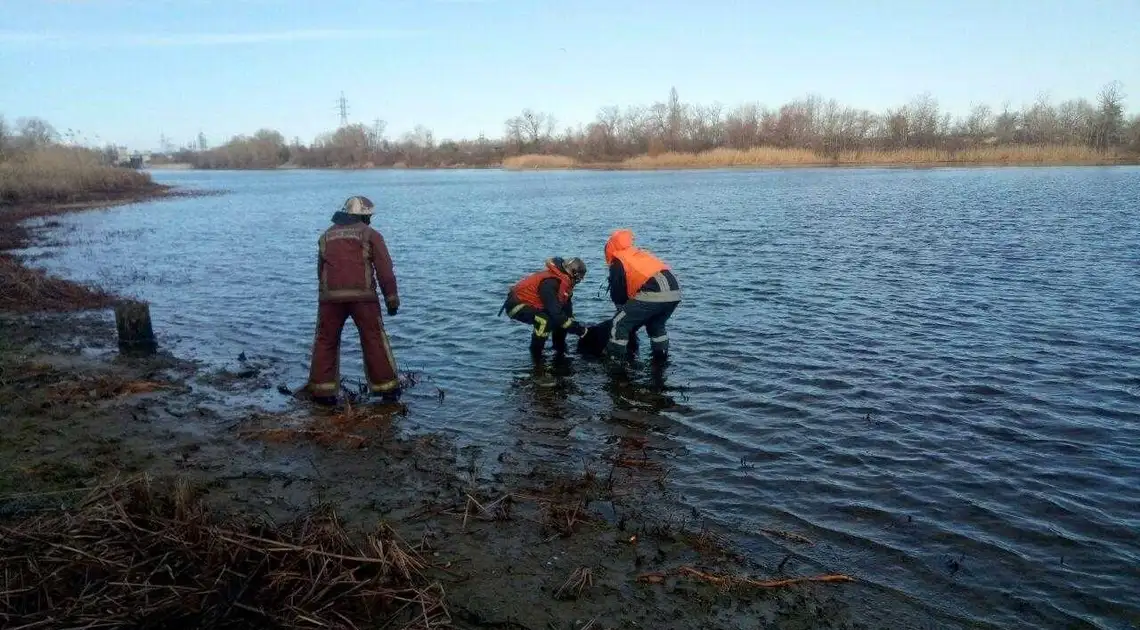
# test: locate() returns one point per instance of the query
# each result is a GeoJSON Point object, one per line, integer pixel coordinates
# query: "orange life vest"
{"type": "Point", "coordinates": [526, 290]}
{"type": "Point", "coordinates": [638, 264]}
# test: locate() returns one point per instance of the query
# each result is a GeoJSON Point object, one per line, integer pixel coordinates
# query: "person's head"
{"type": "Point", "coordinates": [575, 268]}
{"type": "Point", "coordinates": [620, 240]}
{"type": "Point", "coordinates": [360, 207]}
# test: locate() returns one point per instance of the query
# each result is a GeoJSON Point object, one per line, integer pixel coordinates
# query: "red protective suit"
{"type": "Point", "coordinates": [352, 263]}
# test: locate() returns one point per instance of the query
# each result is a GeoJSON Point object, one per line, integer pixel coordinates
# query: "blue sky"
{"type": "Point", "coordinates": [130, 70]}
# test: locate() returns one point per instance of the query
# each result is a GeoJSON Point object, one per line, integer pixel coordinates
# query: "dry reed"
{"type": "Point", "coordinates": [535, 161]}
{"type": "Point", "coordinates": [53, 174]}
{"type": "Point", "coordinates": [135, 555]}
{"type": "Point", "coordinates": [25, 290]}
{"type": "Point", "coordinates": [774, 156]}
{"type": "Point", "coordinates": [721, 158]}
{"type": "Point", "coordinates": [736, 581]}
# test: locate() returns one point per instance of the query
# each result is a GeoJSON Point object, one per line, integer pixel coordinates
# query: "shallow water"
{"type": "Point", "coordinates": [933, 374]}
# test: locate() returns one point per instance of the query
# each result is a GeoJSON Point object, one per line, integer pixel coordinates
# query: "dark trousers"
{"type": "Point", "coordinates": [631, 317]}
{"type": "Point", "coordinates": [542, 328]}
{"type": "Point", "coordinates": [379, 364]}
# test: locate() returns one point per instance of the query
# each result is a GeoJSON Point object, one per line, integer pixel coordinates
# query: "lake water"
{"type": "Point", "coordinates": [933, 374]}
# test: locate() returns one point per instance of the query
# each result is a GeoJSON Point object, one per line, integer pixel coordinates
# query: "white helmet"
{"type": "Point", "coordinates": [358, 205]}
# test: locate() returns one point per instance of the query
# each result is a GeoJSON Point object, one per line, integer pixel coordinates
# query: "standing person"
{"type": "Point", "coordinates": [644, 290]}
{"type": "Point", "coordinates": [545, 301]}
{"type": "Point", "coordinates": [352, 260]}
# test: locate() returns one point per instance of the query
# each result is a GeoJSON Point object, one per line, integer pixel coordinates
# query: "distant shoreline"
{"type": "Point", "coordinates": [764, 158]}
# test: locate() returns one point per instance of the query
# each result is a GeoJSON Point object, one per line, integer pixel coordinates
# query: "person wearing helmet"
{"type": "Point", "coordinates": [352, 263]}
{"type": "Point", "coordinates": [544, 301]}
{"type": "Point", "coordinates": [645, 292]}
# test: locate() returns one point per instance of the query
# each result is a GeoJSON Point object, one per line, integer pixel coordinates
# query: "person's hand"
{"type": "Point", "coordinates": [393, 305]}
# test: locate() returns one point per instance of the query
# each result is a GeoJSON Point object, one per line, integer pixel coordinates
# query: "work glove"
{"type": "Point", "coordinates": [393, 304]}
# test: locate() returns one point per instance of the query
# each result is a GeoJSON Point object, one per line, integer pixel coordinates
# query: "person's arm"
{"type": "Point", "coordinates": [548, 293]}
{"type": "Point", "coordinates": [385, 272]}
{"type": "Point", "coordinates": [320, 258]}
{"type": "Point", "coordinates": [617, 283]}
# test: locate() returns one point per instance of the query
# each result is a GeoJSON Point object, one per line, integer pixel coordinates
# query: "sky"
{"type": "Point", "coordinates": [131, 71]}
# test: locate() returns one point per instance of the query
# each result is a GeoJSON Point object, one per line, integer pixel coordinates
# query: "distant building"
{"type": "Point", "coordinates": [130, 159]}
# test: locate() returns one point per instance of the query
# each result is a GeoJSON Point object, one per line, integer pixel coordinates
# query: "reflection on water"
{"type": "Point", "coordinates": [934, 375]}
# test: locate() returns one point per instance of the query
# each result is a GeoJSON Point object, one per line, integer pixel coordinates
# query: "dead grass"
{"type": "Point", "coordinates": [773, 156]}
{"type": "Point", "coordinates": [534, 161]}
{"type": "Point", "coordinates": [25, 290]}
{"type": "Point", "coordinates": [351, 427]}
{"type": "Point", "coordinates": [54, 174]}
{"type": "Point", "coordinates": [135, 555]}
{"type": "Point", "coordinates": [722, 158]}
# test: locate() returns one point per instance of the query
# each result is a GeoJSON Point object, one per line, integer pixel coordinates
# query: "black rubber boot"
{"type": "Point", "coordinates": [537, 344]}
{"type": "Point", "coordinates": [558, 341]}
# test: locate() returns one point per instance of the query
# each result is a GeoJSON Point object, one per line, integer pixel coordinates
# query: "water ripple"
{"type": "Point", "coordinates": [934, 374]}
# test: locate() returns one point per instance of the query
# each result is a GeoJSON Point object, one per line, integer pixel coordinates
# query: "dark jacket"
{"type": "Point", "coordinates": [557, 313]}
{"type": "Point", "coordinates": [353, 263]}
{"type": "Point", "coordinates": [618, 291]}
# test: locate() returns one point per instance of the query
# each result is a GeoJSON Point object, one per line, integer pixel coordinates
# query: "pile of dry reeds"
{"type": "Point", "coordinates": [24, 290]}
{"type": "Point", "coordinates": [136, 555]}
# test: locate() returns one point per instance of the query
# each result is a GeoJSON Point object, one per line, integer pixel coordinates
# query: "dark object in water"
{"type": "Point", "coordinates": [136, 336]}
{"type": "Point", "coordinates": [593, 343]}
{"type": "Point", "coordinates": [284, 389]}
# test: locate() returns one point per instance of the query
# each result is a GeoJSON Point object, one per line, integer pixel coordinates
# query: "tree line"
{"type": "Point", "coordinates": [812, 123]}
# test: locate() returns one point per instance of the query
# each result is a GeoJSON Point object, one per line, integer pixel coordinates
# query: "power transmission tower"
{"type": "Point", "coordinates": [342, 105]}
{"type": "Point", "coordinates": [377, 132]}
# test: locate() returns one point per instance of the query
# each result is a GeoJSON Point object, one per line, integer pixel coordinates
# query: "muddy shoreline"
{"type": "Point", "coordinates": [507, 536]}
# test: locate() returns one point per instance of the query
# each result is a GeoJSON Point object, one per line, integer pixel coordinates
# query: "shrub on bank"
{"type": "Point", "coordinates": [56, 173]}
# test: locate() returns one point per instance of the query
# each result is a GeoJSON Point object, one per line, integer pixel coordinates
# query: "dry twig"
{"type": "Point", "coordinates": [728, 581]}
{"type": "Point", "coordinates": [132, 555]}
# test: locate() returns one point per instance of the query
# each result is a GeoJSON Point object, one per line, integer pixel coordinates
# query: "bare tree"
{"type": "Point", "coordinates": [36, 132]}
{"type": "Point", "coordinates": [3, 138]}
{"type": "Point", "coordinates": [979, 123]}
{"type": "Point", "coordinates": [1132, 134]}
{"type": "Point", "coordinates": [674, 120]}
{"type": "Point", "coordinates": [1110, 125]}
{"type": "Point", "coordinates": [1006, 125]}
{"type": "Point", "coordinates": [1076, 120]}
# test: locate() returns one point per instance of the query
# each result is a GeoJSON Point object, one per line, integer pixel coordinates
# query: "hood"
{"type": "Point", "coordinates": [555, 265]}
{"type": "Point", "coordinates": [341, 217]}
{"type": "Point", "coordinates": [619, 240]}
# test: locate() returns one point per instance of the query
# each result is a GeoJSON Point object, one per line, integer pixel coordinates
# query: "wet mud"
{"type": "Point", "coordinates": [515, 544]}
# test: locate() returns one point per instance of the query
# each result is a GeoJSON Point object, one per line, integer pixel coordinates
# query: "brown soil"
{"type": "Point", "coordinates": [513, 544]}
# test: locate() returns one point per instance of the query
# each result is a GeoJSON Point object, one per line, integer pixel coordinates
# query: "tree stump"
{"type": "Point", "coordinates": [136, 336]}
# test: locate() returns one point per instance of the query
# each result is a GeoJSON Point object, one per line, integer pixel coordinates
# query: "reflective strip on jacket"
{"type": "Point", "coordinates": [353, 260]}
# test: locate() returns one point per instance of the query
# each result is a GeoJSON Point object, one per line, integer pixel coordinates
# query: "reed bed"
{"type": "Point", "coordinates": [535, 161]}
{"type": "Point", "coordinates": [776, 156]}
{"type": "Point", "coordinates": [58, 174]}
{"type": "Point", "coordinates": [723, 158]}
